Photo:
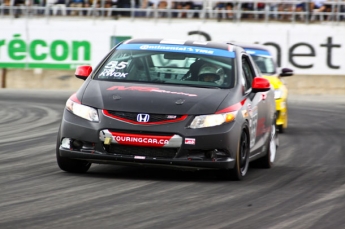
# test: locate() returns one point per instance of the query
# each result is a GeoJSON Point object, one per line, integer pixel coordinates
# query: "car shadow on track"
{"type": "Point", "coordinates": [141, 173]}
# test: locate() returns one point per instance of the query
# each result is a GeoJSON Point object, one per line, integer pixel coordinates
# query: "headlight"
{"type": "Point", "coordinates": [277, 94]}
{"type": "Point", "coordinates": [82, 111]}
{"type": "Point", "coordinates": [212, 120]}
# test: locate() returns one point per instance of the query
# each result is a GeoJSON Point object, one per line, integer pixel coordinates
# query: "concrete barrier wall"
{"type": "Point", "coordinates": [65, 80]}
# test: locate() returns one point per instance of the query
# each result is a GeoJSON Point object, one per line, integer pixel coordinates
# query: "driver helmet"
{"type": "Point", "coordinates": [210, 73]}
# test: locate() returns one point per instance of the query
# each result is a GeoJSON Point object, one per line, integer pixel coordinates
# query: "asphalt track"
{"type": "Point", "coordinates": [305, 189]}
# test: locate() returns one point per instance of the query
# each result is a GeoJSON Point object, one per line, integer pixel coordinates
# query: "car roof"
{"type": "Point", "coordinates": [250, 46]}
{"type": "Point", "coordinates": [207, 44]}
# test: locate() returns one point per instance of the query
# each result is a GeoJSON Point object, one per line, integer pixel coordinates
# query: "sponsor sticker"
{"type": "Point", "coordinates": [178, 48]}
{"type": "Point", "coordinates": [189, 141]}
{"type": "Point", "coordinates": [140, 140]}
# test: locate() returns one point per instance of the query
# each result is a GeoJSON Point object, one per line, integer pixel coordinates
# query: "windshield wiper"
{"type": "Point", "coordinates": [200, 86]}
{"type": "Point", "coordinates": [158, 81]}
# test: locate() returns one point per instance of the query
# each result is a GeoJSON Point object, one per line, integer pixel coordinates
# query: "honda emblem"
{"type": "Point", "coordinates": [143, 117]}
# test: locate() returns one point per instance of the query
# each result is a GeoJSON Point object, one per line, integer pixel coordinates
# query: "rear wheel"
{"type": "Point", "coordinates": [271, 150]}
{"type": "Point", "coordinates": [282, 128]}
{"type": "Point", "coordinates": [70, 165]}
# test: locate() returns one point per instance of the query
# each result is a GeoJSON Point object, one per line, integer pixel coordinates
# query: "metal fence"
{"type": "Point", "coordinates": [236, 11]}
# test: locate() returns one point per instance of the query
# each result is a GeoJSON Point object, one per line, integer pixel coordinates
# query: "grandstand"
{"type": "Point", "coordinates": [226, 10]}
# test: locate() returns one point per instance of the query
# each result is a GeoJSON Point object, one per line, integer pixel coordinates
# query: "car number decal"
{"type": "Point", "coordinates": [111, 69]}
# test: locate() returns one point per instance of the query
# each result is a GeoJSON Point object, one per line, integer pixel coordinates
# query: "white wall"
{"type": "Point", "coordinates": [311, 38]}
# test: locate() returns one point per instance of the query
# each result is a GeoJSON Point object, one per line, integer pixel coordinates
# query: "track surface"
{"type": "Point", "coordinates": [306, 188]}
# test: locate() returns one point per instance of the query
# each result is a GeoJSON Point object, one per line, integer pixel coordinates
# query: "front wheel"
{"type": "Point", "coordinates": [70, 165]}
{"type": "Point", "coordinates": [242, 157]}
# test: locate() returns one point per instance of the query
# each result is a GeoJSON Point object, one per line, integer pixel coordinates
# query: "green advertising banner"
{"type": "Point", "coordinates": [41, 53]}
{"type": "Point", "coordinates": [64, 54]}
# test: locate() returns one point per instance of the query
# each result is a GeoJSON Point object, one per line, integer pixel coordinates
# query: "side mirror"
{"type": "Point", "coordinates": [286, 72]}
{"type": "Point", "coordinates": [260, 84]}
{"type": "Point", "coordinates": [82, 72]}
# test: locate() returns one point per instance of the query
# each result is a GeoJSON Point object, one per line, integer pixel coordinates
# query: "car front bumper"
{"type": "Point", "coordinates": [205, 148]}
{"type": "Point", "coordinates": [281, 108]}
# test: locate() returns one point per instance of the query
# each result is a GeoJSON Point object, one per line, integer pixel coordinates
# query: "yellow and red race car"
{"type": "Point", "coordinates": [268, 67]}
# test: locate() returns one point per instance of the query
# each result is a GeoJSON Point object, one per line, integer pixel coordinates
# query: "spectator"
{"type": "Point", "coordinates": [250, 6]}
{"type": "Point", "coordinates": [126, 4]}
{"type": "Point", "coordinates": [76, 4]}
{"type": "Point", "coordinates": [20, 5]}
{"type": "Point", "coordinates": [300, 9]}
{"type": "Point", "coordinates": [310, 8]}
{"type": "Point", "coordinates": [183, 7]}
{"type": "Point", "coordinates": [305, 9]}
{"type": "Point", "coordinates": [5, 3]}
{"type": "Point", "coordinates": [59, 5]}
{"type": "Point", "coordinates": [88, 6]}
{"type": "Point", "coordinates": [111, 4]}
{"type": "Point", "coordinates": [285, 9]}
{"type": "Point", "coordinates": [326, 8]}
{"type": "Point", "coordinates": [48, 6]}
{"type": "Point", "coordinates": [146, 7]}
{"type": "Point", "coordinates": [221, 7]}
{"type": "Point", "coordinates": [316, 4]}
{"type": "Point", "coordinates": [162, 5]}
{"type": "Point", "coordinates": [197, 5]}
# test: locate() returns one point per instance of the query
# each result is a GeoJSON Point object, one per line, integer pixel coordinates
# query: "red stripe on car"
{"type": "Point", "coordinates": [106, 113]}
{"type": "Point", "coordinates": [231, 108]}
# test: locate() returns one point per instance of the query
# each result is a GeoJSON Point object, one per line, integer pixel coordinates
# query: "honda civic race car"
{"type": "Point", "coordinates": [268, 67]}
{"type": "Point", "coordinates": [167, 103]}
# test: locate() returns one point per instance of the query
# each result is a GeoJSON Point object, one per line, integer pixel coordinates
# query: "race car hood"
{"type": "Point", "coordinates": [153, 98]}
{"type": "Point", "coordinates": [275, 82]}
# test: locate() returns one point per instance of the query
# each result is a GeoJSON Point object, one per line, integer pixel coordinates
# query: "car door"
{"type": "Point", "coordinates": [255, 105]}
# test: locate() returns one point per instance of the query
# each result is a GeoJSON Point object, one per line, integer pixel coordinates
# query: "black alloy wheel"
{"type": "Point", "coordinates": [242, 157]}
{"type": "Point", "coordinates": [244, 153]}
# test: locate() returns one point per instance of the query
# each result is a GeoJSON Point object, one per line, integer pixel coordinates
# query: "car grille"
{"type": "Point", "coordinates": [132, 116]}
{"type": "Point", "coordinates": [142, 151]}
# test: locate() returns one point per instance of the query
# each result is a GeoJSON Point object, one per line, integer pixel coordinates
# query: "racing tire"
{"type": "Point", "coordinates": [242, 157]}
{"type": "Point", "coordinates": [267, 161]}
{"type": "Point", "coordinates": [280, 128]}
{"type": "Point", "coordinates": [70, 165]}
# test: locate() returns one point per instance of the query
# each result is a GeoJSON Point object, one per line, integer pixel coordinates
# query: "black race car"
{"type": "Point", "coordinates": [170, 103]}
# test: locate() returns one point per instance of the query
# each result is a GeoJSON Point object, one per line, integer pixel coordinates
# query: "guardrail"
{"type": "Point", "coordinates": [238, 10]}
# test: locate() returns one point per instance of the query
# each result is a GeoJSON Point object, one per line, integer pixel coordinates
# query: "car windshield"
{"type": "Point", "coordinates": [265, 64]}
{"type": "Point", "coordinates": [169, 64]}
{"type": "Point", "coordinates": [263, 60]}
